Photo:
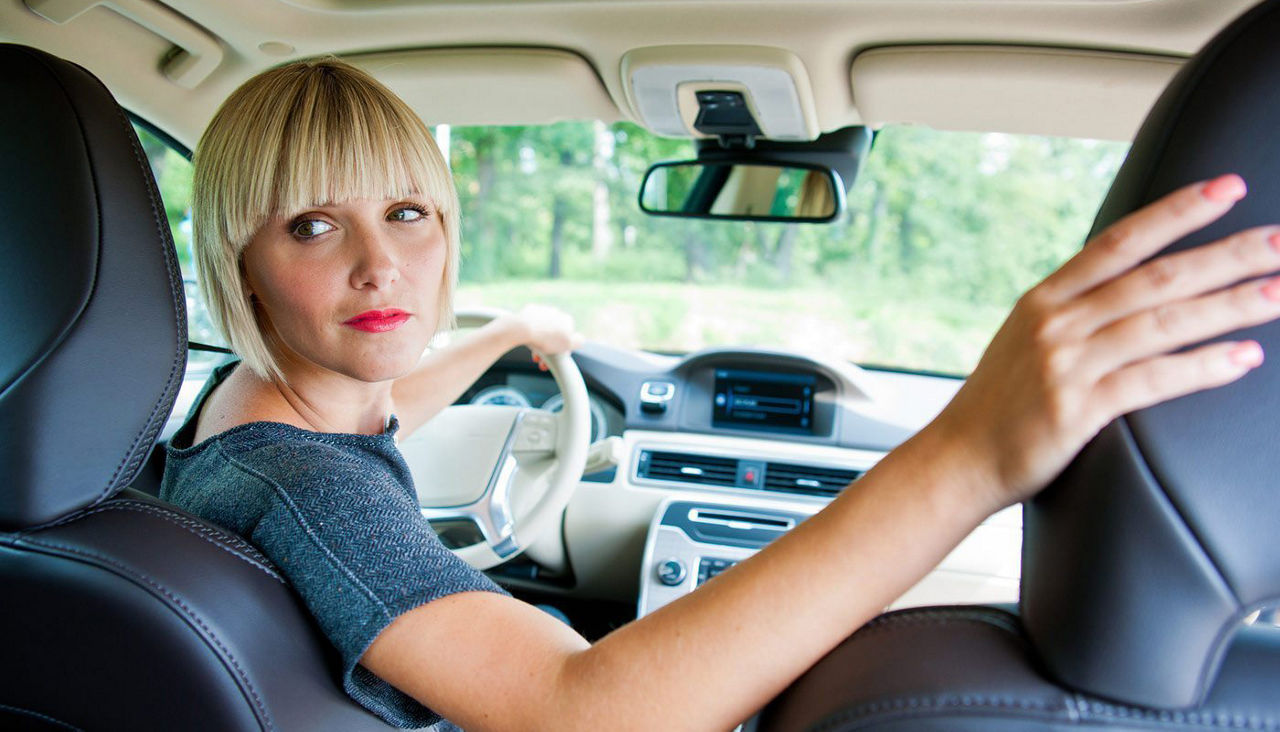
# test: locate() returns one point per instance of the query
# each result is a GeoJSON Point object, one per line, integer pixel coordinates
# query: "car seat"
{"type": "Point", "coordinates": [1143, 559]}
{"type": "Point", "coordinates": [117, 611]}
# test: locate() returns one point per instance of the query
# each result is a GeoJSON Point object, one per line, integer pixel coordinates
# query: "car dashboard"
{"type": "Point", "coordinates": [719, 452]}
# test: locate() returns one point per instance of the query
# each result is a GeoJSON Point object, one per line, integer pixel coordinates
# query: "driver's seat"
{"type": "Point", "coordinates": [117, 611]}
{"type": "Point", "coordinates": [1141, 562]}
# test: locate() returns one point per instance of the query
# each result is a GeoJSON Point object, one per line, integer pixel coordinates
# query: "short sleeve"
{"type": "Point", "coordinates": [347, 533]}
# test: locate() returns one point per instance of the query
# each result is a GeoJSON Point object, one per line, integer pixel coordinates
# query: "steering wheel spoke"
{"type": "Point", "coordinates": [508, 470]}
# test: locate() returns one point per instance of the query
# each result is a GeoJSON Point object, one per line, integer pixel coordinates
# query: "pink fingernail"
{"type": "Point", "coordinates": [1271, 290]}
{"type": "Point", "coordinates": [1247, 354]}
{"type": "Point", "coordinates": [1274, 241]}
{"type": "Point", "coordinates": [1225, 188]}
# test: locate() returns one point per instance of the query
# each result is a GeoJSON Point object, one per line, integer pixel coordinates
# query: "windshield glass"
{"type": "Point", "coordinates": [944, 231]}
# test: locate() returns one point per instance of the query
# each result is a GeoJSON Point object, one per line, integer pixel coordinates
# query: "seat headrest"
{"type": "Point", "coordinates": [1141, 560]}
{"type": "Point", "coordinates": [93, 330]}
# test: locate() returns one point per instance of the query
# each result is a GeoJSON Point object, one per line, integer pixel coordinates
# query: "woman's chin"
{"type": "Point", "coordinates": [375, 370]}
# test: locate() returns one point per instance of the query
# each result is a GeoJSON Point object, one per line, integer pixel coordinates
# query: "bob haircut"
{"type": "Point", "coordinates": [305, 134]}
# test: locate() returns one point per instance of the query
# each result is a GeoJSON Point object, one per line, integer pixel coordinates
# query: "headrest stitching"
{"type": "Point", "coordinates": [151, 427]}
{"type": "Point", "coordinates": [40, 716]}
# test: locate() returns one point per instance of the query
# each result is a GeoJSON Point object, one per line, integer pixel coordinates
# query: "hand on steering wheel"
{"type": "Point", "coordinates": [510, 470]}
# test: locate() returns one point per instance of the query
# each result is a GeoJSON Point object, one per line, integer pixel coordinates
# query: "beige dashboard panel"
{"type": "Point", "coordinates": [1010, 89]}
{"type": "Point", "coordinates": [494, 86]}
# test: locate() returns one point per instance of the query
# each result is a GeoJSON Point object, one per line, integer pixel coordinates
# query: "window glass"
{"type": "Point", "coordinates": [944, 231]}
{"type": "Point", "coordinates": [173, 174]}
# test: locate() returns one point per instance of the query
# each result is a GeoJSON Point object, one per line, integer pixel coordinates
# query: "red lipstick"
{"type": "Point", "coordinates": [378, 321]}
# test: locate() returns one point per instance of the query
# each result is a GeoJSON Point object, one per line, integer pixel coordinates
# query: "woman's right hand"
{"type": "Point", "coordinates": [1095, 339]}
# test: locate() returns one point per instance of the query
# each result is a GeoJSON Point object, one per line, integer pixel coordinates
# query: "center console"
{"type": "Point", "coordinates": [689, 542]}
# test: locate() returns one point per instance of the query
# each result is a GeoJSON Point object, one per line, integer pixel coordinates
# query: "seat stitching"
{"type": "Point", "coordinates": [1213, 718]}
{"type": "Point", "coordinates": [917, 618]}
{"type": "Point", "coordinates": [151, 427]}
{"type": "Point", "coordinates": [1081, 710]}
{"type": "Point", "coordinates": [921, 706]}
{"type": "Point", "coordinates": [38, 715]}
{"type": "Point", "coordinates": [235, 546]}
{"type": "Point", "coordinates": [177, 601]}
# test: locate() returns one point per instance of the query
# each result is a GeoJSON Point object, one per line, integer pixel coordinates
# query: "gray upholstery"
{"type": "Point", "coordinates": [94, 331]}
{"type": "Point", "coordinates": [1141, 560]}
{"type": "Point", "coordinates": [1170, 513]}
{"type": "Point", "coordinates": [117, 611]}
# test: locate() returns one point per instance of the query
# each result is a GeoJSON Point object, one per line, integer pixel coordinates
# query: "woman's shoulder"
{"type": "Point", "coordinates": [291, 456]}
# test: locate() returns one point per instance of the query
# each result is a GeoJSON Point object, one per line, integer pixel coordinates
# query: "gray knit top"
{"type": "Point", "coordinates": [338, 515]}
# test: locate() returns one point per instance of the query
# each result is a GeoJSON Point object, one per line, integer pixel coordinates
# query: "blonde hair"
{"type": "Point", "coordinates": [301, 135]}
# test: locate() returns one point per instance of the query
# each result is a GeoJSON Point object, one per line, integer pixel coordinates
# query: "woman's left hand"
{"type": "Point", "coordinates": [546, 331]}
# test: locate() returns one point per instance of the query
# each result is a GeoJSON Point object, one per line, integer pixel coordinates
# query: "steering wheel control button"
{"type": "Point", "coordinates": [671, 572]}
{"type": "Point", "coordinates": [537, 432]}
{"type": "Point", "coordinates": [654, 396]}
{"type": "Point", "coordinates": [709, 567]}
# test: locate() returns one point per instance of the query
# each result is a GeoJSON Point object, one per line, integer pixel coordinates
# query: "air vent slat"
{"type": "Point", "coordinates": [688, 468]}
{"type": "Point", "coordinates": [810, 480]}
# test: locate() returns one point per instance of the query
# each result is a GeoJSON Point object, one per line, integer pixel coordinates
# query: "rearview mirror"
{"type": "Point", "coordinates": [743, 191]}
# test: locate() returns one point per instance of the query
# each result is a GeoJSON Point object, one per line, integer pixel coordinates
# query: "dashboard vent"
{"type": "Point", "coordinates": [681, 467]}
{"type": "Point", "coordinates": [807, 479]}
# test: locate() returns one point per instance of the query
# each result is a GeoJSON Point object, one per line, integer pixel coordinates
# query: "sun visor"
{"type": "Point", "coordinates": [662, 84]}
{"type": "Point", "coordinates": [1041, 91]}
{"type": "Point", "coordinates": [493, 86]}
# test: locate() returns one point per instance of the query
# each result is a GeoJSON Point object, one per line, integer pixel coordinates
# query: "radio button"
{"type": "Point", "coordinates": [671, 572]}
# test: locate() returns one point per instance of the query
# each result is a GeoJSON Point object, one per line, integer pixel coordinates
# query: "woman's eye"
{"type": "Point", "coordinates": [408, 213]}
{"type": "Point", "coordinates": [311, 228]}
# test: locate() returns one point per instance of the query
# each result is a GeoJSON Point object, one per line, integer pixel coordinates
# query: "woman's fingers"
{"type": "Point", "coordinates": [1179, 276]}
{"type": "Point", "coordinates": [1165, 377]}
{"type": "Point", "coordinates": [1166, 327]}
{"type": "Point", "coordinates": [1142, 233]}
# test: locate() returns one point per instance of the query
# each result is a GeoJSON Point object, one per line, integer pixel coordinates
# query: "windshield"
{"type": "Point", "coordinates": [944, 231]}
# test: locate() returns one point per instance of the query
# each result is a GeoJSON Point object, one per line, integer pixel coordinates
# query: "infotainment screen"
{"type": "Point", "coordinates": [763, 400]}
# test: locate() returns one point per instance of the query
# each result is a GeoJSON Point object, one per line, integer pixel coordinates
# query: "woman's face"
{"type": "Point", "coordinates": [352, 287]}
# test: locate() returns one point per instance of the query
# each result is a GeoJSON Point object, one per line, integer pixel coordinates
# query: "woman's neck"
{"type": "Point", "coordinates": [336, 404]}
{"type": "Point", "coordinates": [326, 401]}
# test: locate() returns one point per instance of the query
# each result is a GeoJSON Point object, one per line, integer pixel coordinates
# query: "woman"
{"type": "Point", "coordinates": [326, 235]}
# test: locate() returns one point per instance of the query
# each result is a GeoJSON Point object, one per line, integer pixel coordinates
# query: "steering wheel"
{"type": "Point", "coordinates": [510, 470]}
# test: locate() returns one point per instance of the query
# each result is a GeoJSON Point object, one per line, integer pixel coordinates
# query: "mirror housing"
{"type": "Point", "coordinates": [802, 182]}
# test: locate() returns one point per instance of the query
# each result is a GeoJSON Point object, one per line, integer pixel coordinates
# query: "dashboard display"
{"type": "Point", "coordinates": [763, 400]}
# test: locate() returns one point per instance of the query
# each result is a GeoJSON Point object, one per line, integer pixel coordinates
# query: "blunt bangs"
{"type": "Point", "coordinates": [335, 141]}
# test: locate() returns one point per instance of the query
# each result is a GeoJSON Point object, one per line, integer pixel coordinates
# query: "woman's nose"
{"type": "Point", "coordinates": [375, 263]}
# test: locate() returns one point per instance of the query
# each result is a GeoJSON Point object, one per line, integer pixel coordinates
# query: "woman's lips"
{"type": "Point", "coordinates": [378, 321]}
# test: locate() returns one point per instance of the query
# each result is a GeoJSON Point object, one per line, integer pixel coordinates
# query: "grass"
{"type": "Point", "coordinates": [860, 324]}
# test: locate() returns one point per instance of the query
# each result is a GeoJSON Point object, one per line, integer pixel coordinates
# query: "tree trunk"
{"type": "Point", "coordinates": [601, 234]}
{"type": "Point", "coordinates": [695, 257]}
{"type": "Point", "coordinates": [484, 234]}
{"type": "Point", "coordinates": [782, 252]}
{"type": "Point", "coordinates": [558, 212]}
{"type": "Point", "coordinates": [879, 209]}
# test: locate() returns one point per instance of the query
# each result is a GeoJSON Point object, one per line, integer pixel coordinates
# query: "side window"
{"type": "Point", "coordinates": [173, 171]}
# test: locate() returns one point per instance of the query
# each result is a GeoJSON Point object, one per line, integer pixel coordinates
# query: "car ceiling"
{"type": "Point", "coordinates": [1094, 65]}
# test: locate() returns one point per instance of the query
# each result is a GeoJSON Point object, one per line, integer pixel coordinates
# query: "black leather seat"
{"type": "Point", "coordinates": [117, 611]}
{"type": "Point", "coordinates": [1141, 561]}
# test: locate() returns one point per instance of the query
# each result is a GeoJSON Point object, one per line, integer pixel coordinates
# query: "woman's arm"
{"type": "Point", "coordinates": [1090, 343]}
{"type": "Point", "coordinates": [445, 373]}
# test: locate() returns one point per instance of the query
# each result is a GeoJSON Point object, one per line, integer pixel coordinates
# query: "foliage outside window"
{"type": "Point", "coordinates": [944, 231]}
